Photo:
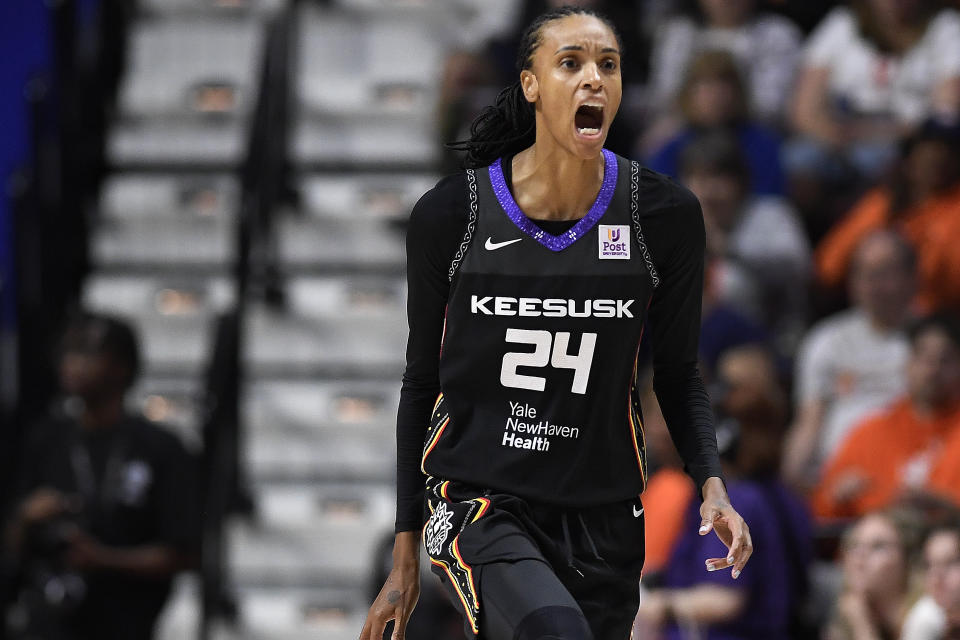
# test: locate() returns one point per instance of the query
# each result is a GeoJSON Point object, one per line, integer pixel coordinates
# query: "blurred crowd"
{"type": "Point", "coordinates": [823, 142]}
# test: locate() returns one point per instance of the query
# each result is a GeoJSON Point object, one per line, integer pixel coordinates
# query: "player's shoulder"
{"type": "Point", "coordinates": [659, 194]}
{"type": "Point", "coordinates": [439, 218]}
{"type": "Point", "coordinates": [445, 199]}
{"type": "Point", "coordinates": [670, 214]}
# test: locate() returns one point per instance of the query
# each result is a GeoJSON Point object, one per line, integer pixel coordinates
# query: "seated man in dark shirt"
{"type": "Point", "coordinates": [107, 510]}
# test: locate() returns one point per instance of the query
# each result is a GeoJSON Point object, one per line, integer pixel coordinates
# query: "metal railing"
{"type": "Point", "coordinates": [264, 182]}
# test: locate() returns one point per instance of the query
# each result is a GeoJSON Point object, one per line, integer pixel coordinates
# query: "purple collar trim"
{"type": "Point", "coordinates": [529, 227]}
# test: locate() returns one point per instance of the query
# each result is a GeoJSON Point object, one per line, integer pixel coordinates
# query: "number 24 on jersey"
{"type": "Point", "coordinates": [543, 355]}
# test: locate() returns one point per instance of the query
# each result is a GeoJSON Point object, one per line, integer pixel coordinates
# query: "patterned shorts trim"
{"type": "Point", "coordinates": [448, 519]}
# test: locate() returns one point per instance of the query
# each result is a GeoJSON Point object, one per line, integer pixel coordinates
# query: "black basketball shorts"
{"type": "Point", "coordinates": [502, 558]}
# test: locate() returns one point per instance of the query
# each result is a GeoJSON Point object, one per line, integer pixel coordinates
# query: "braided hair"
{"type": "Point", "coordinates": [508, 126]}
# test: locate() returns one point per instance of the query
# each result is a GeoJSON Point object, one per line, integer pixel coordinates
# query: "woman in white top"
{"type": "Point", "coordinates": [871, 72]}
{"type": "Point", "coordinates": [767, 46]}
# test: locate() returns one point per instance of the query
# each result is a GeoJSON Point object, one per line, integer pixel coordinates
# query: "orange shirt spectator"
{"type": "Point", "coordinates": [665, 501]}
{"type": "Point", "coordinates": [923, 205]}
{"type": "Point", "coordinates": [896, 451]}
{"type": "Point", "coordinates": [887, 454]}
{"type": "Point", "coordinates": [945, 478]}
{"type": "Point", "coordinates": [932, 227]}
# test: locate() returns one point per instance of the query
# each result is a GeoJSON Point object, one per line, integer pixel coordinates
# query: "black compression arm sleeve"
{"type": "Point", "coordinates": [677, 238]}
{"type": "Point", "coordinates": [436, 229]}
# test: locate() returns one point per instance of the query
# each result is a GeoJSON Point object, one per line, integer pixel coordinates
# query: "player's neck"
{"type": "Point", "coordinates": [551, 184]}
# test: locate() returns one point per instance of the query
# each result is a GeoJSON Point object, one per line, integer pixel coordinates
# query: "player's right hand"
{"type": "Point", "coordinates": [399, 594]}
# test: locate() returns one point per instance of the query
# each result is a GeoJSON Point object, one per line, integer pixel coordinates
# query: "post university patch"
{"type": "Point", "coordinates": [614, 241]}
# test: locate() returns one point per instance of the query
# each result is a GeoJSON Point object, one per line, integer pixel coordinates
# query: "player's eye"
{"type": "Point", "coordinates": [609, 65]}
{"type": "Point", "coordinates": [569, 63]}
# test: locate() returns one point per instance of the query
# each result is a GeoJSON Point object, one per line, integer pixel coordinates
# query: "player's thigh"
{"type": "Point", "coordinates": [525, 600]}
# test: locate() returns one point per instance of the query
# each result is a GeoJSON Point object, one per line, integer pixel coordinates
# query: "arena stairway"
{"type": "Point", "coordinates": [324, 368]}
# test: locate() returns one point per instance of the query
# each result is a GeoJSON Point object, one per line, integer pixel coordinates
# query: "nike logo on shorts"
{"type": "Point", "coordinates": [490, 245]}
{"type": "Point", "coordinates": [637, 512]}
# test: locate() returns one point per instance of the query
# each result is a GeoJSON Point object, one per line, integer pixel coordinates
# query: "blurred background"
{"type": "Point", "coordinates": [201, 230]}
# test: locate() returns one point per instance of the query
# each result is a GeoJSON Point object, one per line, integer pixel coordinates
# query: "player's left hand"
{"type": "Point", "coordinates": [718, 514]}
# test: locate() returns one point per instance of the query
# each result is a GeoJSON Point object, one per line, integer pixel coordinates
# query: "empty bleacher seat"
{"type": "Point", "coordinates": [361, 244]}
{"type": "Point", "coordinates": [190, 65]}
{"type": "Point", "coordinates": [321, 406]}
{"type": "Point", "coordinates": [177, 143]}
{"type": "Point", "coordinates": [173, 196]}
{"type": "Point", "coordinates": [282, 343]}
{"type": "Point", "coordinates": [374, 196]}
{"type": "Point", "coordinates": [215, 7]}
{"type": "Point", "coordinates": [308, 532]}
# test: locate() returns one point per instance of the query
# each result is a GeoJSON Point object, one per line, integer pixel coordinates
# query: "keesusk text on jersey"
{"type": "Point", "coordinates": [550, 307]}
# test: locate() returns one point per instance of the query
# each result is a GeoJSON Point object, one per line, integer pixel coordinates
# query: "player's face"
{"type": "Point", "coordinates": [575, 83]}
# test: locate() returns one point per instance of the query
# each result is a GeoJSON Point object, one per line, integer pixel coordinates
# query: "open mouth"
{"type": "Point", "coordinates": [588, 119]}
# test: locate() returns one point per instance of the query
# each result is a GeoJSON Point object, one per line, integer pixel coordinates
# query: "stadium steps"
{"type": "Point", "coordinates": [324, 367]}
{"type": "Point", "coordinates": [321, 418]}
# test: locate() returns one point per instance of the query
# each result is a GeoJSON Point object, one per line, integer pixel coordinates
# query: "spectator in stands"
{"type": "Point", "coordinates": [106, 513]}
{"type": "Point", "coordinates": [728, 317]}
{"type": "Point", "coordinates": [923, 203]}
{"type": "Point", "coordinates": [872, 71]}
{"type": "Point", "coordinates": [894, 452]}
{"type": "Point", "coordinates": [936, 616]}
{"type": "Point", "coordinates": [945, 478]}
{"type": "Point", "coordinates": [758, 605]}
{"type": "Point", "coordinates": [852, 364]}
{"type": "Point", "coordinates": [668, 490]}
{"type": "Point", "coordinates": [753, 402]}
{"type": "Point", "coordinates": [878, 553]}
{"type": "Point", "coordinates": [762, 234]}
{"type": "Point", "coordinates": [714, 95]}
{"type": "Point", "coordinates": [767, 46]}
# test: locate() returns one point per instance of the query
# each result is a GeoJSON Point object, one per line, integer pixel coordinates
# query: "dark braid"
{"type": "Point", "coordinates": [508, 126]}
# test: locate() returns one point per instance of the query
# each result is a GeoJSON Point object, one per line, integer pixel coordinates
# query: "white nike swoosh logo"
{"type": "Point", "coordinates": [636, 514]}
{"type": "Point", "coordinates": [491, 245]}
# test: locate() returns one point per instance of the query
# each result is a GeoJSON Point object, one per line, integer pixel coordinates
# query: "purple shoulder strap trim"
{"type": "Point", "coordinates": [528, 226]}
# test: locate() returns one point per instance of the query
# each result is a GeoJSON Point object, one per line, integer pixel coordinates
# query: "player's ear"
{"type": "Point", "coordinates": [531, 88]}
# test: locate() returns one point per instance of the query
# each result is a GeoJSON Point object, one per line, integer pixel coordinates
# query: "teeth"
{"type": "Point", "coordinates": [588, 131]}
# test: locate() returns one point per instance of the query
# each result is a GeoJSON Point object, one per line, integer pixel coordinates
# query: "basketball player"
{"type": "Point", "coordinates": [535, 270]}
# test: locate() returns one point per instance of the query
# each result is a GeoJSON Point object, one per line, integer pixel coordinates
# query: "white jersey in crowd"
{"type": "Point", "coordinates": [870, 82]}
{"type": "Point", "coordinates": [854, 368]}
{"type": "Point", "coordinates": [767, 47]}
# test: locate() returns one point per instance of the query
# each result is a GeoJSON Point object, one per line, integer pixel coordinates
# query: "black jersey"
{"type": "Point", "coordinates": [539, 323]}
{"type": "Point", "coordinates": [538, 362]}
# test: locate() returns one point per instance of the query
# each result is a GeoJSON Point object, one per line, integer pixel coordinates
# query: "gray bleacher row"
{"type": "Point", "coordinates": [324, 370]}
{"type": "Point", "coordinates": [365, 88]}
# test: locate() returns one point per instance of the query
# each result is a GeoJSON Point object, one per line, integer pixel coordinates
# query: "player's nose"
{"type": "Point", "coordinates": [591, 78]}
